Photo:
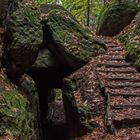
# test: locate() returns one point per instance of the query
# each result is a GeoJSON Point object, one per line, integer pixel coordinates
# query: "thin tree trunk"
{"type": "Point", "coordinates": [88, 12]}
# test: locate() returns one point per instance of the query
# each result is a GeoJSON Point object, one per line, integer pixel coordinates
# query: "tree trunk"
{"type": "Point", "coordinates": [88, 12]}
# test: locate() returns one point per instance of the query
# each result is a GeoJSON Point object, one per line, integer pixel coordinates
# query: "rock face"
{"type": "Point", "coordinates": [19, 114]}
{"type": "Point", "coordinates": [6, 7]}
{"type": "Point", "coordinates": [83, 103]}
{"type": "Point", "coordinates": [47, 44]}
{"type": "Point", "coordinates": [71, 45]}
{"type": "Point", "coordinates": [3, 6]}
{"type": "Point", "coordinates": [115, 17]}
{"type": "Point", "coordinates": [22, 40]}
{"type": "Point", "coordinates": [132, 38]}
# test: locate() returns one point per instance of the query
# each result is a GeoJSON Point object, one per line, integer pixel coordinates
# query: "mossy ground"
{"type": "Point", "coordinates": [16, 116]}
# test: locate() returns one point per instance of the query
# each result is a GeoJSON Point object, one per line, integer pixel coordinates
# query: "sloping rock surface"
{"type": "Point", "coordinates": [71, 44]}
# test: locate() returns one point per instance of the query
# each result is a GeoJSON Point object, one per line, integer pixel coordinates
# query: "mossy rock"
{"type": "Point", "coordinates": [23, 39]}
{"type": "Point", "coordinates": [16, 115]}
{"type": "Point", "coordinates": [115, 17]}
{"type": "Point", "coordinates": [71, 44]}
{"type": "Point", "coordinates": [133, 43]}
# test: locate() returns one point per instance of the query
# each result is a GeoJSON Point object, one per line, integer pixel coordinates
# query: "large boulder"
{"type": "Point", "coordinates": [71, 44]}
{"type": "Point", "coordinates": [18, 110]}
{"type": "Point", "coordinates": [23, 38]}
{"type": "Point", "coordinates": [115, 17]}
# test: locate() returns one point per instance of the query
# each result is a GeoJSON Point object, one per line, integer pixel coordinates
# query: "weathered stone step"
{"type": "Point", "coordinates": [107, 64]}
{"type": "Point", "coordinates": [116, 53]}
{"type": "Point", "coordinates": [108, 57]}
{"type": "Point", "coordinates": [111, 43]}
{"type": "Point", "coordinates": [123, 117]}
{"type": "Point", "coordinates": [110, 62]}
{"type": "Point", "coordinates": [115, 48]}
{"type": "Point", "coordinates": [123, 92]}
{"type": "Point", "coordinates": [118, 84]}
{"type": "Point", "coordinates": [123, 79]}
{"type": "Point", "coordinates": [124, 101]}
{"type": "Point", "coordinates": [126, 116]}
{"type": "Point", "coordinates": [116, 69]}
{"type": "Point", "coordinates": [103, 75]}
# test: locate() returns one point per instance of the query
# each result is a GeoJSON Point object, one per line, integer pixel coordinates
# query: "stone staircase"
{"type": "Point", "coordinates": [120, 82]}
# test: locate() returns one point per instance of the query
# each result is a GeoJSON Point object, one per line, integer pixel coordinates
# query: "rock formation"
{"type": "Point", "coordinates": [114, 17]}
{"type": "Point", "coordinates": [19, 110]}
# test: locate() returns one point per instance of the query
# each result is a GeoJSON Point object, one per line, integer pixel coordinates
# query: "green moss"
{"type": "Point", "coordinates": [132, 43]}
{"type": "Point", "coordinates": [74, 40]}
{"type": "Point", "coordinates": [25, 28]}
{"type": "Point", "coordinates": [15, 115]}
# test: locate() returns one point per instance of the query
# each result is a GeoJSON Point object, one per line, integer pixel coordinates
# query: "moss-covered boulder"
{"type": "Point", "coordinates": [132, 41]}
{"type": "Point", "coordinates": [71, 44]}
{"type": "Point", "coordinates": [17, 118]}
{"type": "Point", "coordinates": [115, 17]}
{"type": "Point", "coordinates": [22, 40]}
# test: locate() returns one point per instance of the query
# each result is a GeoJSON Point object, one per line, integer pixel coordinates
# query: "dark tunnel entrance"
{"type": "Point", "coordinates": [52, 115]}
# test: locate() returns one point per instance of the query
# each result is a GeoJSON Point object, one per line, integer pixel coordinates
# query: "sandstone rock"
{"type": "Point", "coordinates": [19, 114]}
{"type": "Point", "coordinates": [115, 17]}
{"type": "Point", "coordinates": [71, 44]}
{"type": "Point", "coordinates": [22, 40]}
{"type": "Point", "coordinates": [132, 43]}
{"type": "Point", "coordinates": [83, 103]}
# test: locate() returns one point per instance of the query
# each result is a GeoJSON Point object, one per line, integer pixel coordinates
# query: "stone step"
{"type": "Point", "coordinates": [103, 75]}
{"type": "Point", "coordinates": [114, 52]}
{"type": "Point", "coordinates": [107, 64]}
{"type": "Point", "coordinates": [121, 84]}
{"type": "Point", "coordinates": [111, 58]}
{"type": "Point", "coordinates": [123, 117]}
{"type": "Point", "coordinates": [109, 48]}
{"type": "Point", "coordinates": [104, 61]}
{"type": "Point", "coordinates": [123, 92]}
{"type": "Point", "coordinates": [126, 116]}
{"type": "Point", "coordinates": [116, 69]}
{"type": "Point", "coordinates": [123, 79]}
{"type": "Point", "coordinates": [124, 101]}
